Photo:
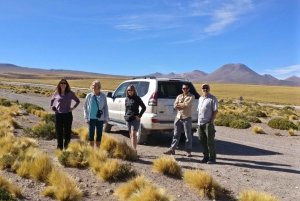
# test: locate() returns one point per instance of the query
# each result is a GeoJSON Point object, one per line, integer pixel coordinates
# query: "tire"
{"type": "Point", "coordinates": [141, 135]}
{"type": "Point", "coordinates": [107, 127]}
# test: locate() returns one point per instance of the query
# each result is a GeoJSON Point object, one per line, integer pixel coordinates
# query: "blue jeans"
{"type": "Point", "coordinates": [94, 123]}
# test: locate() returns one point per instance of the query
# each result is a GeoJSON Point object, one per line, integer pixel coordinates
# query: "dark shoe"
{"type": "Point", "coordinates": [170, 152]}
{"type": "Point", "coordinates": [188, 154]}
{"type": "Point", "coordinates": [211, 161]}
{"type": "Point", "coordinates": [204, 160]}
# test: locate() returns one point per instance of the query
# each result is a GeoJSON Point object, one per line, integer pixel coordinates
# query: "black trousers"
{"type": "Point", "coordinates": [63, 126]}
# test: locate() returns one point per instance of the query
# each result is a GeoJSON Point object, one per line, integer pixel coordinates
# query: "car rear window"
{"type": "Point", "coordinates": [171, 90]}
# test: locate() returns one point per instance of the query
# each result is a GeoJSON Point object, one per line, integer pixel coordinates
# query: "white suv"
{"type": "Point", "coordinates": [158, 94]}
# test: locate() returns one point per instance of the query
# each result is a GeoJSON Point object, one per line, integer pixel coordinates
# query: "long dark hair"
{"type": "Point", "coordinates": [58, 88]}
{"type": "Point", "coordinates": [132, 88]}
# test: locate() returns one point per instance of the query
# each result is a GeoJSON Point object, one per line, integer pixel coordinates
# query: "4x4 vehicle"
{"type": "Point", "coordinates": [158, 94]}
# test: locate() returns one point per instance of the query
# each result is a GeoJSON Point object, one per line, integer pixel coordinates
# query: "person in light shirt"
{"type": "Point", "coordinates": [207, 112]}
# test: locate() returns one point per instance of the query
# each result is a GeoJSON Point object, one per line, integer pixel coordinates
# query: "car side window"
{"type": "Point", "coordinates": [121, 90]}
{"type": "Point", "coordinates": [142, 88]}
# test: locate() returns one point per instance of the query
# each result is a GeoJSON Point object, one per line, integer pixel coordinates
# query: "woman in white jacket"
{"type": "Point", "coordinates": [95, 112]}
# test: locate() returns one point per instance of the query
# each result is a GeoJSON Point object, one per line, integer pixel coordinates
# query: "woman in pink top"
{"type": "Point", "coordinates": [63, 112]}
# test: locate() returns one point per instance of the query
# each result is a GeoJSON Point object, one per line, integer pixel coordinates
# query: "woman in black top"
{"type": "Point", "coordinates": [132, 114]}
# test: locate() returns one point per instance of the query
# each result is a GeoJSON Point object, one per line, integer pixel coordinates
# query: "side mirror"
{"type": "Point", "coordinates": [109, 95]}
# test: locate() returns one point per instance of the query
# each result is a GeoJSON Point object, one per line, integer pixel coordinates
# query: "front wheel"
{"type": "Point", "coordinates": [107, 127]}
{"type": "Point", "coordinates": [141, 135]}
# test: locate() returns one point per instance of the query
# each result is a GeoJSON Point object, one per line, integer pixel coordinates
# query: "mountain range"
{"type": "Point", "coordinates": [230, 73]}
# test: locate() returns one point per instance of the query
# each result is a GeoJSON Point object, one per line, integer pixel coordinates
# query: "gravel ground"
{"type": "Point", "coordinates": [264, 162]}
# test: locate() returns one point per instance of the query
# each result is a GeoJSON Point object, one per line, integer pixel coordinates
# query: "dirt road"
{"type": "Point", "coordinates": [263, 162]}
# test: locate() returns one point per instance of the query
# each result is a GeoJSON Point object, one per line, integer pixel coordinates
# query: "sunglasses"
{"type": "Point", "coordinates": [185, 88]}
{"type": "Point", "coordinates": [62, 83]}
{"type": "Point", "coordinates": [205, 88]}
{"type": "Point", "coordinates": [129, 90]}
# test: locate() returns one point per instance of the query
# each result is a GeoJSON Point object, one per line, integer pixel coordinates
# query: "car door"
{"type": "Point", "coordinates": [118, 98]}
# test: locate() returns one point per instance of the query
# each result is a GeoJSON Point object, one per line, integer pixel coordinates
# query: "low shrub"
{"type": "Point", "coordinates": [5, 195]}
{"type": "Point", "coordinates": [281, 123]}
{"type": "Point", "coordinates": [123, 151]}
{"type": "Point", "coordinates": [108, 144]}
{"type": "Point", "coordinates": [5, 102]}
{"type": "Point", "coordinates": [167, 166]}
{"type": "Point", "coordinates": [48, 118]}
{"type": "Point", "coordinates": [28, 107]}
{"type": "Point", "coordinates": [251, 195]}
{"type": "Point", "coordinates": [254, 119]}
{"type": "Point", "coordinates": [41, 130]}
{"type": "Point", "coordinates": [239, 123]}
{"type": "Point", "coordinates": [112, 170]}
{"type": "Point", "coordinates": [224, 119]}
{"type": "Point", "coordinates": [293, 117]}
{"type": "Point", "coordinates": [257, 113]}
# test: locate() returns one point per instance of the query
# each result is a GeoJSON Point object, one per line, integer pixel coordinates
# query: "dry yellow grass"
{"type": "Point", "coordinates": [258, 129]}
{"type": "Point", "coordinates": [123, 151]}
{"type": "Point", "coordinates": [96, 159]}
{"type": "Point", "coordinates": [108, 143]}
{"type": "Point", "coordinates": [110, 170]}
{"type": "Point", "coordinates": [140, 188]}
{"type": "Point", "coordinates": [9, 186]}
{"type": "Point", "coordinates": [291, 132]}
{"type": "Point", "coordinates": [252, 195]}
{"type": "Point", "coordinates": [253, 93]}
{"type": "Point", "coordinates": [167, 166]}
{"type": "Point", "coordinates": [63, 187]}
{"type": "Point", "coordinates": [41, 167]}
{"type": "Point", "coordinates": [293, 117]}
{"type": "Point", "coordinates": [82, 132]}
{"type": "Point", "coordinates": [203, 182]}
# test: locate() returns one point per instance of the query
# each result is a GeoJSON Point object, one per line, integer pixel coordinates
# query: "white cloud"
{"type": "Point", "coordinates": [285, 72]}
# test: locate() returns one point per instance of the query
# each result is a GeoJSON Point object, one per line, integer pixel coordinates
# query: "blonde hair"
{"type": "Point", "coordinates": [94, 83]}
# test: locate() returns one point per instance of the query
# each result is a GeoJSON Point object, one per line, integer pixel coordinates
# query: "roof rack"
{"type": "Point", "coordinates": [179, 78]}
{"type": "Point", "coordinates": [145, 77]}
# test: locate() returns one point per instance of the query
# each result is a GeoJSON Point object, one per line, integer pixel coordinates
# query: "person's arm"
{"type": "Point", "coordinates": [52, 100]}
{"type": "Point", "coordinates": [76, 99]}
{"type": "Point", "coordinates": [85, 108]}
{"type": "Point", "coordinates": [213, 116]}
{"type": "Point", "coordinates": [188, 102]}
{"type": "Point", "coordinates": [175, 105]}
{"type": "Point", "coordinates": [141, 103]}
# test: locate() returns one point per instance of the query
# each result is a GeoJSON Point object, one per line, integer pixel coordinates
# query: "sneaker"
{"type": "Point", "coordinates": [188, 154]}
{"type": "Point", "coordinates": [204, 160]}
{"type": "Point", "coordinates": [170, 152]}
{"type": "Point", "coordinates": [211, 161]}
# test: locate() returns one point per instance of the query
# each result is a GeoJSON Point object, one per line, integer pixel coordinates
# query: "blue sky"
{"type": "Point", "coordinates": [141, 37]}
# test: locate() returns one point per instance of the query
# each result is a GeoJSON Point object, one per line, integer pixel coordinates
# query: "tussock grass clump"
{"type": "Point", "coordinates": [252, 195]}
{"type": "Point", "coordinates": [112, 170]}
{"type": "Point", "coordinates": [82, 132]}
{"type": "Point", "coordinates": [203, 183]}
{"type": "Point", "coordinates": [41, 130]}
{"type": "Point", "coordinates": [239, 123]}
{"type": "Point", "coordinates": [108, 144]}
{"type": "Point", "coordinates": [291, 132]}
{"type": "Point", "coordinates": [76, 155]}
{"type": "Point", "coordinates": [10, 187]}
{"type": "Point", "coordinates": [63, 187]}
{"type": "Point", "coordinates": [141, 189]}
{"type": "Point", "coordinates": [41, 167]}
{"type": "Point", "coordinates": [254, 120]}
{"type": "Point", "coordinates": [257, 129]}
{"type": "Point", "coordinates": [281, 123]}
{"type": "Point", "coordinates": [48, 118]}
{"type": "Point", "coordinates": [29, 107]}
{"type": "Point", "coordinates": [123, 151]}
{"type": "Point", "coordinates": [257, 113]}
{"type": "Point", "coordinates": [167, 166]}
{"type": "Point", "coordinates": [6, 195]}
{"type": "Point", "coordinates": [96, 159]}
{"type": "Point", "coordinates": [293, 117]}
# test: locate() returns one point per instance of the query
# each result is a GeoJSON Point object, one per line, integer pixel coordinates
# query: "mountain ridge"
{"type": "Point", "coordinates": [234, 73]}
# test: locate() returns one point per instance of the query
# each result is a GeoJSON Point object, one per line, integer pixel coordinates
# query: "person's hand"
{"type": "Point", "coordinates": [71, 109]}
{"type": "Point", "coordinates": [105, 122]}
{"type": "Point", "coordinates": [87, 122]}
{"type": "Point", "coordinates": [137, 117]}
